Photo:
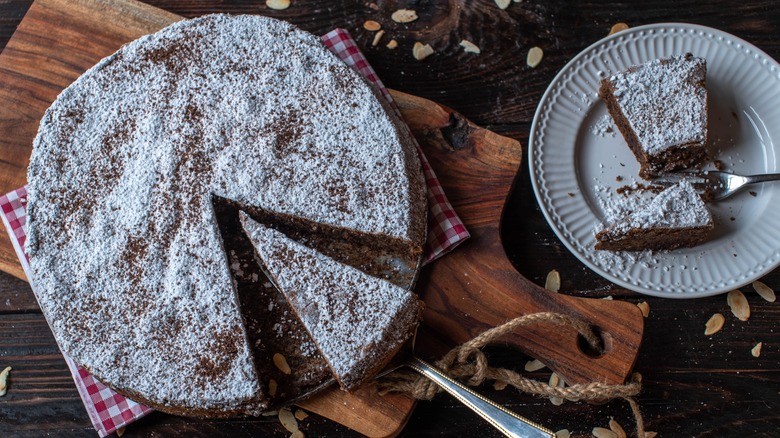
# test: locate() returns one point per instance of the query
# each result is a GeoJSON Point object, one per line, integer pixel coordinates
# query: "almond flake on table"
{"type": "Point", "coordinates": [392, 44]}
{"type": "Point", "coordinates": [470, 47]}
{"type": "Point", "coordinates": [764, 291]}
{"type": "Point", "coordinates": [503, 4]}
{"type": "Point", "coordinates": [377, 38]}
{"type": "Point", "coordinates": [500, 385]}
{"type": "Point", "coordinates": [301, 415]}
{"type": "Point", "coordinates": [714, 324]}
{"type": "Point", "coordinates": [404, 16]}
{"type": "Point", "coordinates": [535, 56]}
{"type": "Point", "coordinates": [739, 305]}
{"type": "Point", "coordinates": [603, 432]}
{"type": "Point", "coordinates": [534, 365]}
{"type": "Point", "coordinates": [614, 426]}
{"type": "Point", "coordinates": [371, 25]}
{"type": "Point", "coordinates": [756, 351]}
{"type": "Point", "coordinates": [563, 433]}
{"type": "Point", "coordinates": [556, 382]}
{"type": "Point", "coordinates": [553, 281]}
{"type": "Point", "coordinates": [4, 380]}
{"type": "Point", "coordinates": [288, 420]}
{"type": "Point", "coordinates": [645, 308]}
{"type": "Point", "coordinates": [617, 28]}
{"type": "Point", "coordinates": [421, 51]}
{"type": "Point", "coordinates": [278, 5]}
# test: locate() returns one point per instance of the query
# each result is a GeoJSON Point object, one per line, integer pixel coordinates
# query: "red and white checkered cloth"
{"type": "Point", "coordinates": [110, 411]}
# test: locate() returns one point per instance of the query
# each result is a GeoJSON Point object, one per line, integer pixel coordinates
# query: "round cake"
{"type": "Point", "coordinates": [125, 251]}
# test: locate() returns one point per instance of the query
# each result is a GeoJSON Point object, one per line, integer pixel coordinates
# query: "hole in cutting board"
{"type": "Point", "coordinates": [590, 351]}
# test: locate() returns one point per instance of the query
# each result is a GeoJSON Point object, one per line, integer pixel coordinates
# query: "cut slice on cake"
{"type": "Point", "coordinates": [357, 321]}
{"type": "Point", "coordinates": [660, 107]}
{"type": "Point", "coordinates": [677, 217]}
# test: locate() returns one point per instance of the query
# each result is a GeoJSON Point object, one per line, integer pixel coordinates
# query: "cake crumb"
{"type": "Point", "coordinates": [604, 127]}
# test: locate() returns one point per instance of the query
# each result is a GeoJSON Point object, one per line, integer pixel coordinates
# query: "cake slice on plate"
{"type": "Point", "coordinates": [676, 217]}
{"type": "Point", "coordinates": [357, 321]}
{"type": "Point", "coordinates": [660, 107]}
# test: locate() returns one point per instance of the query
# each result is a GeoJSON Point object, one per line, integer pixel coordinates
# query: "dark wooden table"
{"type": "Point", "coordinates": [694, 385]}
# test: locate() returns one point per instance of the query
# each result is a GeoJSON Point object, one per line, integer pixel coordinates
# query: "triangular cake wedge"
{"type": "Point", "coordinates": [358, 322]}
{"type": "Point", "coordinates": [660, 108]}
{"type": "Point", "coordinates": [677, 217]}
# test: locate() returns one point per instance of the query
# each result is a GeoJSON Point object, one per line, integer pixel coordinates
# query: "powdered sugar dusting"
{"type": "Point", "coordinates": [664, 101]}
{"type": "Point", "coordinates": [356, 320]}
{"type": "Point", "coordinates": [604, 127]}
{"type": "Point", "coordinates": [122, 174]}
{"type": "Point", "coordinates": [679, 206]}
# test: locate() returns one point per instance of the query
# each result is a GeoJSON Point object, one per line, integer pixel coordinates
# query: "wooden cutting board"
{"type": "Point", "coordinates": [466, 292]}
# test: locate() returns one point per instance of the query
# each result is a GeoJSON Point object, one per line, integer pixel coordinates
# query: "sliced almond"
{"type": "Point", "coordinates": [278, 5]}
{"type": "Point", "coordinates": [121, 431]}
{"type": "Point", "coordinates": [470, 47]}
{"type": "Point", "coordinates": [272, 386]}
{"type": "Point", "coordinates": [563, 433]}
{"type": "Point", "coordinates": [617, 28]}
{"type": "Point", "coordinates": [603, 432]}
{"type": "Point", "coordinates": [287, 419]}
{"type": "Point", "coordinates": [392, 44]}
{"type": "Point", "coordinates": [4, 380]}
{"type": "Point", "coordinates": [650, 434]}
{"type": "Point", "coordinates": [534, 365]}
{"type": "Point", "coordinates": [614, 426]}
{"type": "Point", "coordinates": [739, 305]}
{"type": "Point", "coordinates": [421, 51]}
{"type": "Point", "coordinates": [281, 363]}
{"type": "Point", "coordinates": [756, 351]}
{"type": "Point", "coordinates": [297, 434]}
{"type": "Point", "coordinates": [404, 16]}
{"type": "Point", "coordinates": [608, 298]}
{"type": "Point", "coordinates": [556, 381]}
{"type": "Point", "coordinates": [645, 308]}
{"type": "Point", "coordinates": [371, 25]}
{"type": "Point", "coordinates": [553, 281]}
{"type": "Point", "coordinates": [714, 324]}
{"type": "Point", "coordinates": [499, 385]}
{"type": "Point", "coordinates": [301, 415]}
{"type": "Point", "coordinates": [765, 291]}
{"type": "Point", "coordinates": [378, 37]}
{"type": "Point", "coordinates": [503, 4]}
{"type": "Point", "coordinates": [535, 56]}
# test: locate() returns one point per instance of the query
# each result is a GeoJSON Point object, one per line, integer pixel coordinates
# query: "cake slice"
{"type": "Point", "coordinates": [676, 217]}
{"type": "Point", "coordinates": [660, 107]}
{"type": "Point", "coordinates": [357, 321]}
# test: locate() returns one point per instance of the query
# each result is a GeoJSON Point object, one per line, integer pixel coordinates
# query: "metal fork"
{"type": "Point", "coordinates": [506, 421]}
{"type": "Point", "coordinates": [714, 185]}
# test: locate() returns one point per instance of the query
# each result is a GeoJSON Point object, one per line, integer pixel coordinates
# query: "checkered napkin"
{"type": "Point", "coordinates": [110, 411]}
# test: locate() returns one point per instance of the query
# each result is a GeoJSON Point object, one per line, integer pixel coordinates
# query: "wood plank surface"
{"type": "Point", "coordinates": [59, 39]}
{"type": "Point", "coordinates": [694, 385]}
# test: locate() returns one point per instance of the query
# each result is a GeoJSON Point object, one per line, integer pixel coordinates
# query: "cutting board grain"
{"type": "Point", "coordinates": [472, 289]}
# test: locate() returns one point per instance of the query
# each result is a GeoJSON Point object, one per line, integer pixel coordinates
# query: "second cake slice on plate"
{"type": "Point", "coordinates": [675, 218]}
{"type": "Point", "coordinates": [357, 321]}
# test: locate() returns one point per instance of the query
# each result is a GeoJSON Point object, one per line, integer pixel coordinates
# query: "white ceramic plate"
{"type": "Point", "coordinates": [570, 157]}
